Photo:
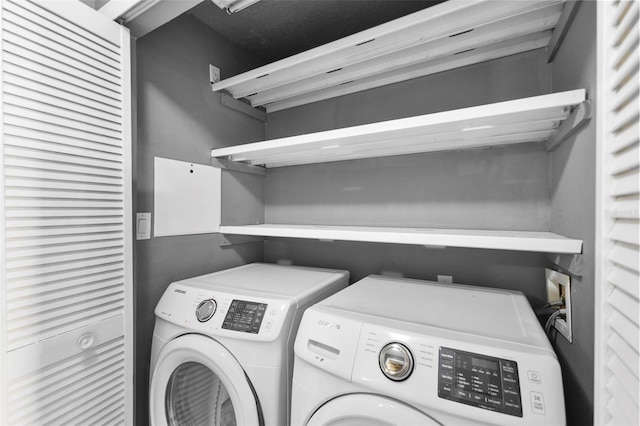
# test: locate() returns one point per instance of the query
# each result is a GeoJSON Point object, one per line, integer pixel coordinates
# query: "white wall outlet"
{"type": "Point", "coordinates": [143, 226]}
{"type": "Point", "coordinates": [214, 74]}
{"type": "Point", "coordinates": [559, 289]}
{"type": "Point", "coordinates": [445, 279]}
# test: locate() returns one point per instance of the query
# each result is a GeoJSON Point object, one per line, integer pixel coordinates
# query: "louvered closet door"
{"type": "Point", "coordinates": [617, 360]}
{"type": "Point", "coordinates": [66, 216]}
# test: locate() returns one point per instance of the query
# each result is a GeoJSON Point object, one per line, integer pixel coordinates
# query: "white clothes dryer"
{"type": "Point", "coordinates": [389, 351]}
{"type": "Point", "coordinates": [222, 350]}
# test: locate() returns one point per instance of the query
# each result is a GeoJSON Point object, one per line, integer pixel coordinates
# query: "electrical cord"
{"type": "Point", "coordinates": [552, 320]}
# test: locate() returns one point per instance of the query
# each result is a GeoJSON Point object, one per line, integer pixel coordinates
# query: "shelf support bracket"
{"type": "Point", "coordinates": [235, 166]}
{"type": "Point", "coordinates": [232, 240]}
{"type": "Point", "coordinates": [562, 27]}
{"type": "Point", "coordinates": [230, 102]}
{"type": "Point", "coordinates": [578, 118]}
{"type": "Point", "coordinates": [572, 263]}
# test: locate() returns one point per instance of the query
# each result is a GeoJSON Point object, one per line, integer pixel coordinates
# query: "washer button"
{"type": "Point", "coordinates": [268, 324]}
{"type": "Point", "coordinates": [537, 403]}
{"type": "Point", "coordinates": [534, 377]}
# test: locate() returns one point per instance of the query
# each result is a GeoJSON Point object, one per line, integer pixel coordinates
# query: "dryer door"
{"type": "Point", "coordinates": [197, 381]}
{"type": "Point", "coordinates": [368, 410]}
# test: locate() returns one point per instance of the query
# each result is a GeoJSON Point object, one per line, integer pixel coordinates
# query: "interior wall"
{"type": "Point", "coordinates": [180, 118]}
{"type": "Point", "coordinates": [503, 79]}
{"type": "Point", "coordinates": [490, 188]}
{"type": "Point", "coordinates": [90, 3]}
{"type": "Point", "coordinates": [573, 205]}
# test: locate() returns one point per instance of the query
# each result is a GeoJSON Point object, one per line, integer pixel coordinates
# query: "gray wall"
{"type": "Point", "coordinates": [494, 188]}
{"type": "Point", "coordinates": [573, 208]}
{"type": "Point", "coordinates": [90, 3]}
{"type": "Point", "coordinates": [499, 80]}
{"type": "Point", "coordinates": [511, 187]}
{"type": "Point", "coordinates": [180, 118]}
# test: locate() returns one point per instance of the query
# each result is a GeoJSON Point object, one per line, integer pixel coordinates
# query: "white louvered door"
{"type": "Point", "coordinates": [618, 230]}
{"type": "Point", "coordinates": [66, 284]}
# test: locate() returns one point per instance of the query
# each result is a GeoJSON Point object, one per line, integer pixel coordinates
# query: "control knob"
{"type": "Point", "coordinates": [206, 309]}
{"type": "Point", "coordinates": [396, 361]}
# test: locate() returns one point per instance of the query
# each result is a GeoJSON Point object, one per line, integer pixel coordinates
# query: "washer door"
{"type": "Point", "coordinates": [368, 410]}
{"type": "Point", "coordinates": [197, 381]}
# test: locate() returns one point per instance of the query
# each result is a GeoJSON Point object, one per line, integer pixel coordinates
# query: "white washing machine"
{"type": "Point", "coordinates": [389, 351]}
{"type": "Point", "coordinates": [222, 349]}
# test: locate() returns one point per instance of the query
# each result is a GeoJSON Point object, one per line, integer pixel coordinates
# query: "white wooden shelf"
{"type": "Point", "coordinates": [531, 119]}
{"type": "Point", "coordinates": [543, 242]}
{"type": "Point", "coordinates": [448, 35]}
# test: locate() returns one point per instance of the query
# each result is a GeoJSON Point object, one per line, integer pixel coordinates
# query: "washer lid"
{"type": "Point", "coordinates": [480, 311]}
{"type": "Point", "coordinates": [368, 410]}
{"type": "Point", "coordinates": [276, 281]}
{"type": "Point", "coordinates": [196, 380]}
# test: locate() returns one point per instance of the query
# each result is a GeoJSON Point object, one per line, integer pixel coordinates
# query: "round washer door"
{"type": "Point", "coordinates": [368, 410]}
{"type": "Point", "coordinates": [197, 381]}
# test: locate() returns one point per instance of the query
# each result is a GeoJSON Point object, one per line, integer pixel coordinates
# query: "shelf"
{"type": "Point", "coordinates": [523, 120]}
{"type": "Point", "coordinates": [448, 35]}
{"type": "Point", "coordinates": [543, 242]}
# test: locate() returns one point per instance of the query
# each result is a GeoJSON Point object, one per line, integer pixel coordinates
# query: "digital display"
{"type": "Point", "coordinates": [479, 380]}
{"type": "Point", "coordinates": [244, 316]}
{"type": "Point", "coordinates": [483, 363]}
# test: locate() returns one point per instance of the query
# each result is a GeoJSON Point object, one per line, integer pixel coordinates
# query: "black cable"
{"type": "Point", "coordinates": [552, 320]}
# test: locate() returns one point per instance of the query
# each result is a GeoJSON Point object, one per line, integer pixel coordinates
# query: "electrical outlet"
{"type": "Point", "coordinates": [445, 278]}
{"type": "Point", "coordinates": [214, 74]}
{"type": "Point", "coordinates": [559, 289]}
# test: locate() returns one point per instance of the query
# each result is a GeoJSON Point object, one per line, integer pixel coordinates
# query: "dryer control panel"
{"type": "Point", "coordinates": [479, 380]}
{"type": "Point", "coordinates": [218, 313]}
{"type": "Point", "coordinates": [244, 316]}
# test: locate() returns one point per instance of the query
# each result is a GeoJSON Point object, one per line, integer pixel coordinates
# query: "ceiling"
{"type": "Point", "coordinates": [276, 29]}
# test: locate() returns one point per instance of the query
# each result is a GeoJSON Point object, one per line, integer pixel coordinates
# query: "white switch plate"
{"type": "Point", "coordinates": [143, 226]}
{"type": "Point", "coordinates": [559, 285]}
{"type": "Point", "coordinates": [214, 74]}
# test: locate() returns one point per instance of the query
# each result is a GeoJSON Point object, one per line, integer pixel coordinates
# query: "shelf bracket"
{"type": "Point", "coordinates": [232, 240]}
{"type": "Point", "coordinates": [230, 102]}
{"type": "Point", "coordinates": [572, 263]}
{"type": "Point", "coordinates": [578, 118]}
{"type": "Point", "coordinates": [235, 166]}
{"type": "Point", "coordinates": [562, 27]}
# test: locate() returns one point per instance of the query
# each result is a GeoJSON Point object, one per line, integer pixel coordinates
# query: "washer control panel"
{"type": "Point", "coordinates": [244, 316]}
{"type": "Point", "coordinates": [479, 380]}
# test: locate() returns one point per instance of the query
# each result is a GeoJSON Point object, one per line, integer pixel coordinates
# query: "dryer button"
{"type": "Point", "coordinates": [205, 310]}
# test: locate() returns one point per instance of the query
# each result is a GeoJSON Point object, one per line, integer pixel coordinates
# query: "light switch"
{"type": "Point", "coordinates": [143, 226]}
